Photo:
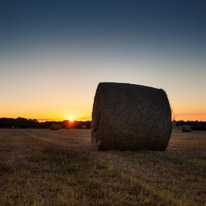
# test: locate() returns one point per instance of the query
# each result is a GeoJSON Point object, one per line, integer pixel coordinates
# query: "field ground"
{"type": "Point", "coordinates": [42, 167]}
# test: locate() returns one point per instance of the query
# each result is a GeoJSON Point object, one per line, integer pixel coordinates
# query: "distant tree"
{"type": "Point", "coordinates": [21, 122]}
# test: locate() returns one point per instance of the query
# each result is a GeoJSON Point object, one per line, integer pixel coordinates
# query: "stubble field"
{"type": "Point", "coordinates": [43, 167]}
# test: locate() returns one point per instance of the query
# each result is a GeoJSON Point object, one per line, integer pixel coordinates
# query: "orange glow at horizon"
{"type": "Point", "coordinates": [83, 115]}
{"type": "Point", "coordinates": [189, 112]}
{"type": "Point", "coordinates": [178, 116]}
{"type": "Point", "coordinates": [190, 117]}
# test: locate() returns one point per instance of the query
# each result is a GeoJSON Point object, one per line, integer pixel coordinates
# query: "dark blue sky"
{"type": "Point", "coordinates": [179, 23]}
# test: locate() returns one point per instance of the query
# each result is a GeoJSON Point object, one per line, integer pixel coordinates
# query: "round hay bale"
{"type": "Point", "coordinates": [84, 126]}
{"type": "Point", "coordinates": [130, 117]}
{"type": "Point", "coordinates": [55, 127]}
{"type": "Point", "coordinates": [186, 128]}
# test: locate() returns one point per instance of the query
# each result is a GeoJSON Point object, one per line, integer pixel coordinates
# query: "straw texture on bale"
{"type": "Point", "coordinates": [130, 117]}
{"type": "Point", "coordinates": [186, 128]}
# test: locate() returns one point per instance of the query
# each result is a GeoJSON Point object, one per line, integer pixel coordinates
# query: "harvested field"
{"type": "Point", "coordinates": [44, 167]}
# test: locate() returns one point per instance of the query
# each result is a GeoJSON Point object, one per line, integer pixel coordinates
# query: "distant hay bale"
{"type": "Point", "coordinates": [84, 126]}
{"type": "Point", "coordinates": [130, 117]}
{"type": "Point", "coordinates": [186, 128]}
{"type": "Point", "coordinates": [55, 127]}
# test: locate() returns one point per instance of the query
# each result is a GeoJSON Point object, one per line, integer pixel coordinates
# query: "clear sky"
{"type": "Point", "coordinates": [53, 54]}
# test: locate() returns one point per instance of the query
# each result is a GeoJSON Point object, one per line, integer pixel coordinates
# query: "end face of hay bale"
{"type": "Point", "coordinates": [186, 128]}
{"type": "Point", "coordinates": [130, 117]}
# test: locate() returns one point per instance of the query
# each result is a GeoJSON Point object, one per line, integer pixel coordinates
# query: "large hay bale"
{"type": "Point", "coordinates": [130, 117]}
{"type": "Point", "coordinates": [186, 128]}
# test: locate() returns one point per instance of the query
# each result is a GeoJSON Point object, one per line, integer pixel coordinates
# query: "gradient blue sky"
{"type": "Point", "coordinates": [54, 53]}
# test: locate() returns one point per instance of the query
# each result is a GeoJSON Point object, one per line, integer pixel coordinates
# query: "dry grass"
{"type": "Point", "coordinates": [43, 167]}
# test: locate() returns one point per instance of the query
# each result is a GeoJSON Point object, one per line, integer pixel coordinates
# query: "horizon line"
{"type": "Point", "coordinates": [82, 119]}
